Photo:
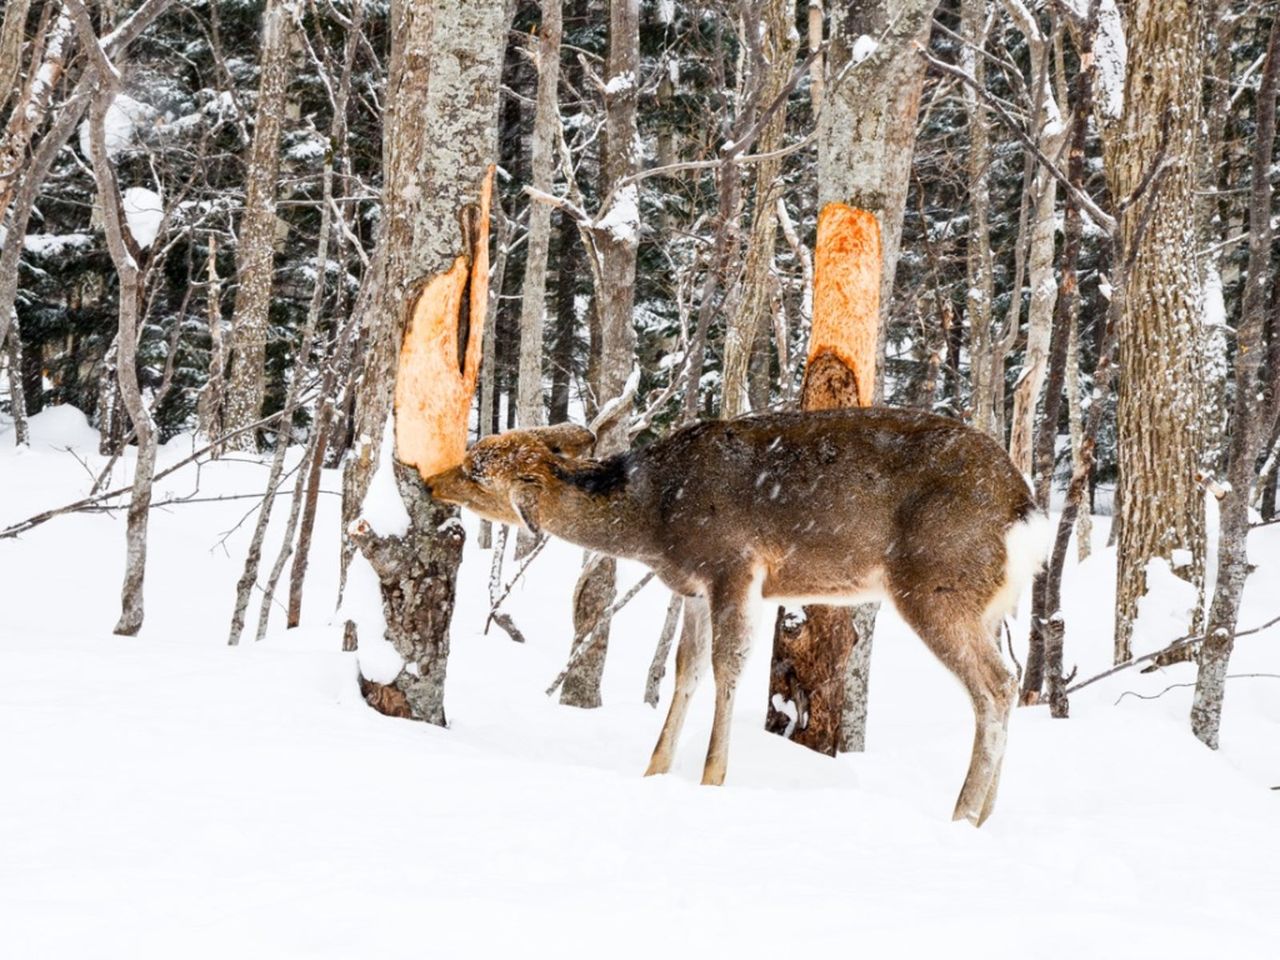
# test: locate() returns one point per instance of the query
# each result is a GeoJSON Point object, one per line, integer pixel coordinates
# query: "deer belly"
{"type": "Point", "coordinates": [800, 587]}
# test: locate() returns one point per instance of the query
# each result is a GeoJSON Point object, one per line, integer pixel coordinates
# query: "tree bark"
{"type": "Point", "coordinates": [428, 274]}
{"type": "Point", "coordinates": [811, 651]}
{"type": "Point", "coordinates": [125, 255]}
{"type": "Point", "coordinates": [986, 364]}
{"type": "Point", "coordinates": [616, 241]}
{"type": "Point", "coordinates": [743, 325]}
{"type": "Point", "coordinates": [533, 298]}
{"type": "Point", "coordinates": [1246, 436]}
{"type": "Point", "coordinates": [255, 253]}
{"type": "Point", "coordinates": [1050, 138]}
{"type": "Point", "coordinates": [866, 138]}
{"type": "Point", "coordinates": [1158, 419]}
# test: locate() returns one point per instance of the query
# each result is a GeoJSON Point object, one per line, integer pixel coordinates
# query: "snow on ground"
{"type": "Point", "coordinates": [168, 796]}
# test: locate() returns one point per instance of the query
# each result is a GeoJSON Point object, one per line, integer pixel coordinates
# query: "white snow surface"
{"type": "Point", "coordinates": [166, 795]}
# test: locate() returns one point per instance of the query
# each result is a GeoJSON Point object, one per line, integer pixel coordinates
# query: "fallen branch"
{"type": "Point", "coordinates": [1176, 645]}
{"type": "Point", "coordinates": [82, 505]}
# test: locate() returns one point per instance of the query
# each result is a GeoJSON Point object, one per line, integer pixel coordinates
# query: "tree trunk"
{"type": "Point", "coordinates": [1158, 419]}
{"type": "Point", "coordinates": [811, 651]}
{"type": "Point", "coordinates": [255, 253]}
{"type": "Point", "coordinates": [125, 255]}
{"type": "Point", "coordinates": [866, 138]}
{"type": "Point", "coordinates": [743, 325]}
{"type": "Point", "coordinates": [616, 242]}
{"type": "Point", "coordinates": [428, 278]}
{"type": "Point", "coordinates": [1246, 435]}
{"type": "Point", "coordinates": [986, 364]}
{"type": "Point", "coordinates": [533, 297]}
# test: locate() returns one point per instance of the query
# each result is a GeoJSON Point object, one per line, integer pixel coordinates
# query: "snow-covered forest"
{"type": "Point", "coordinates": [270, 268]}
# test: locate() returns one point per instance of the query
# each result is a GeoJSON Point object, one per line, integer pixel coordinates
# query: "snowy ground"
{"type": "Point", "coordinates": [167, 796]}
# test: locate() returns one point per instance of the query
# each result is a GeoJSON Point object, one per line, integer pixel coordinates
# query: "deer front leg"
{"type": "Point", "coordinates": [691, 658]}
{"type": "Point", "coordinates": [730, 642]}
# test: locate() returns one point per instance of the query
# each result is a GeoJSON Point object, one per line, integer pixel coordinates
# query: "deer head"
{"type": "Point", "coordinates": [503, 477]}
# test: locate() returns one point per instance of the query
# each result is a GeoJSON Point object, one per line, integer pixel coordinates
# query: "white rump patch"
{"type": "Point", "coordinates": [1026, 548]}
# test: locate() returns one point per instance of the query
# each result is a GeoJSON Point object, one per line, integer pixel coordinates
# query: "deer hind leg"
{"type": "Point", "coordinates": [969, 648]}
{"type": "Point", "coordinates": [730, 643]}
{"type": "Point", "coordinates": [691, 660]}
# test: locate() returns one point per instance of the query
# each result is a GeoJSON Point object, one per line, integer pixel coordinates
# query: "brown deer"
{"type": "Point", "coordinates": [833, 507]}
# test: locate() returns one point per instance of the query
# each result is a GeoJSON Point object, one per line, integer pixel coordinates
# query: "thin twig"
{"type": "Point", "coordinates": [1175, 686]}
{"type": "Point", "coordinates": [589, 644]}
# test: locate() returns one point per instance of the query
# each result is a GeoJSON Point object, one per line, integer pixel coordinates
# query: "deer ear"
{"type": "Point", "coordinates": [566, 439]}
{"type": "Point", "coordinates": [524, 500]}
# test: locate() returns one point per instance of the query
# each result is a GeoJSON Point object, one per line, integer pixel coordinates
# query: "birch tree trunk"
{"type": "Point", "coordinates": [616, 240]}
{"type": "Point", "coordinates": [866, 138]}
{"type": "Point", "coordinates": [1246, 435]}
{"type": "Point", "coordinates": [125, 255]}
{"type": "Point", "coordinates": [431, 262]}
{"type": "Point", "coordinates": [1160, 386]}
{"type": "Point", "coordinates": [255, 254]}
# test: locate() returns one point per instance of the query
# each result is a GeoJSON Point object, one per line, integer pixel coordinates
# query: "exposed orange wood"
{"type": "Point", "coordinates": [435, 379]}
{"type": "Point", "coordinates": [846, 307]}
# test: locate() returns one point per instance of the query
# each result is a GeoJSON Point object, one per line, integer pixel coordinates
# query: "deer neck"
{"type": "Point", "coordinates": [594, 504]}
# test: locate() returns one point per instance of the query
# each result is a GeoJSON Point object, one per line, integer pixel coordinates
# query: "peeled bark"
{"type": "Point", "coordinates": [811, 651]}
{"type": "Point", "coordinates": [866, 139]}
{"type": "Point", "coordinates": [423, 311]}
{"type": "Point", "coordinates": [1158, 418]}
{"type": "Point", "coordinates": [255, 253]}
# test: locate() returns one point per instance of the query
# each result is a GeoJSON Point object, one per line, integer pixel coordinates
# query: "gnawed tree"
{"type": "Point", "coordinates": [423, 310]}
{"type": "Point", "coordinates": [811, 650]}
{"type": "Point", "coordinates": [1150, 148]}
{"type": "Point", "coordinates": [866, 138]}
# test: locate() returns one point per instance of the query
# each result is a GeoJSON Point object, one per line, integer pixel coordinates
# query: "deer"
{"type": "Point", "coordinates": [834, 507]}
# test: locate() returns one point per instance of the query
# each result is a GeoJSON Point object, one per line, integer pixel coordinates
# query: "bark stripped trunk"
{"type": "Point", "coordinates": [866, 138]}
{"type": "Point", "coordinates": [811, 651]}
{"type": "Point", "coordinates": [423, 313]}
{"type": "Point", "coordinates": [1161, 390]}
{"type": "Point", "coordinates": [1246, 435]}
{"type": "Point", "coordinates": [616, 241]}
{"type": "Point", "coordinates": [255, 254]}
